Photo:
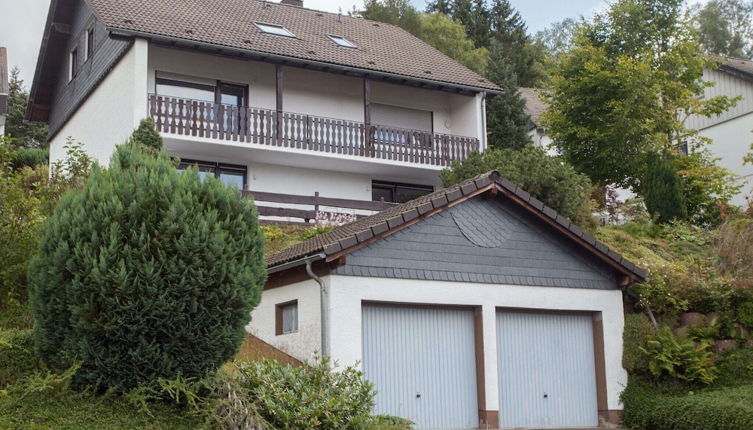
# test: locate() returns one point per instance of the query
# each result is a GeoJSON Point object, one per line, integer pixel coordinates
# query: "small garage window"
{"type": "Point", "coordinates": [286, 320]}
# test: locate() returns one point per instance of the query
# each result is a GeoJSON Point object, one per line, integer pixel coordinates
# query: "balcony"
{"type": "Point", "coordinates": [307, 133]}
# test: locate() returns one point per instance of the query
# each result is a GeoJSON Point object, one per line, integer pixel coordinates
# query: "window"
{"type": "Point", "coordinates": [73, 64]}
{"type": "Point", "coordinates": [286, 317]}
{"type": "Point", "coordinates": [229, 174]}
{"type": "Point", "coordinates": [397, 193]}
{"type": "Point", "coordinates": [274, 29]}
{"type": "Point", "coordinates": [195, 89]}
{"type": "Point", "coordinates": [89, 43]}
{"type": "Point", "coordinates": [341, 41]}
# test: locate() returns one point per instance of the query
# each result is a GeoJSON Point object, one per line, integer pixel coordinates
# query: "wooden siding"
{"type": "Point", "coordinates": [500, 246]}
{"type": "Point", "coordinates": [726, 85]}
{"type": "Point", "coordinates": [68, 96]}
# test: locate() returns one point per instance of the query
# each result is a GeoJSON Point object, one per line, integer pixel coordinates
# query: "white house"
{"type": "Point", "coordinates": [4, 88]}
{"type": "Point", "coordinates": [534, 109]}
{"type": "Point", "coordinates": [475, 306]}
{"type": "Point", "coordinates": [731, 131]}
{"type": "Point", "coordinates": [269, 97]}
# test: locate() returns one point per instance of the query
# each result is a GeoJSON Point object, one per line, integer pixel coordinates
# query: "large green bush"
{"type": "Point", "coordinates": [17, 357]}
{"type": "Point", "coordinates": [662, 190]}
{"type": "Point", "coordinates": [308, 397]}
{"type": "Point", "coordinates": [145, 273]}
{"type": "Point", "coordinates": [549, 179]}
{"type": "Point", "coordinates": [649, 407]}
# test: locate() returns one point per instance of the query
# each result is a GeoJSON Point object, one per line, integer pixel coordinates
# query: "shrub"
{"type": "Point", "coordinates": [145, 273]}
{"type": "Point", "coordinates": [146, 134]}
{"type": "Point", "coordinates": [734, 250]}
{"type": "Point", "coordinates": [662, 191]}
{"type": "Point", "coordinates": [745, 314]}
{"type": "Point", "coordinates": [31, 157]}
{"type": "Point", "coordinates": [308, 397]}
{"type": "Point", "coordinates": [387, 422]}
{"type": "Point", "coordinates": [647, 407]}
{"type": "Point", "coordinates": [681, 359]}
{"type": "Point", "coordinates": [549, 179]}
{"type": "Point", "coordinates": [735, 367]}
{"type": "Point", "coordinates": [635, 337]}
{"type": "Point", "coordinates": [17, 358]}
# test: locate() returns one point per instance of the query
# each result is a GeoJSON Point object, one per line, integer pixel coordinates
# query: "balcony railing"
{"type": "Point", "coordinates": [306, 132]}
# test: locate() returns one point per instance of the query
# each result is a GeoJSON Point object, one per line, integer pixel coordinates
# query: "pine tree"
{"type": "Point", "coordinates": [24, 134]}
{"type": "Point", "coordinates": [146, 134]}
{"type": "Point", "coordinates": [662, 191]}
{"type": "Point", "coordinates": [507, 123]}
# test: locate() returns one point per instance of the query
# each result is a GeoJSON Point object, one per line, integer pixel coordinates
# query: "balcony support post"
{"type": "Point", "coordinates": [279, 81]}
{"type": "Point", "coordinates": [367, 117]}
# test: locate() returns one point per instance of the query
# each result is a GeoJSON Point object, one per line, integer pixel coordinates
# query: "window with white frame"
{"type": "Point", "coordinates": [275, 29]}
{"type": "Point", "coordinates": [72, 64]}
{"type": "Point", "coordinates": [89, 43]}
{"type": "Point", "coordinates": [286, 318]}
{"type": "Point", "coordinates": [341, 41]}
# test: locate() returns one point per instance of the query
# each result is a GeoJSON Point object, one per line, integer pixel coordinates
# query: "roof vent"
{"type": "Point", "coordinates": [428, 72]}
{"type": "Point", "coordinates": [375, 24]}
{"type": "Point", "coordinates": [189, 31]}
{"type": "Point", "coordinates": [127, 21]}
{"type": "Point", "coordinates": [371, 62]}
{"type": "Point", "coordinates": [312, 52]}
{"type": "Point", "coordinates": [297, 3]}
{"type": "Point", "coordinates": [246, 41]}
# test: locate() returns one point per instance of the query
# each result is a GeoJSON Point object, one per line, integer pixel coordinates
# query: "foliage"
{"type": "Point", "coordinates": [449, 37]}
{"type": "Point", "coordinates": [706, 187]}
{"type": "Point", "coordinates": [507, 123]}
{"type": "Point", "coordinates": [745, 314]}
{"type": "Point", "coordinates": [662, 191]}
{"type": "Point", "coordinates": [16, 355]}
{"type": "Point", "coordinates": [659, 294]}
{"type": "Point", "coordinates": [725, 27]}
{"type": "Point", "coordinates": [30, 157]}
{"type": "Point", "coordinates": [145, 273]}
{"type": "Point", "coordinates": [735, 255]}
{"type": "Point", "coordinates": [396, 12]}
{"type": "Point", "coordinates": [646, 407]}
{"type": "Point", "coordinates": [680, 358]}
{"type": "Point", "coordinates": [387, 422]}
{"type": "Point", "coordinates": [147, 135]}
{"type": "Point", "coordinates": [546, 178]}
{"type": "Point", "coordinates": [308, 397]}
{"type": "Point", "coordinates": [735, 367]}
{"type": "Point", "coordinates": [620, 96]}
{"type": "Point", "coordinates": [635, 337]}
{"type": "Point", "coordinates": [24, 134]}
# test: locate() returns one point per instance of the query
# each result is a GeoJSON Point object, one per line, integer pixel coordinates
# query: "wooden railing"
{"type": "Point", "coordinates": [317, 204]}
{"type": "Point", "coordinates": [306, 132]}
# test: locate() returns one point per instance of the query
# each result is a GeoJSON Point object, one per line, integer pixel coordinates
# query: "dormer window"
{"type": "Point", "coordinates": [72, 64]}
{"type": "Point", "coordinates": [275, 29]}
{"type": "Point", "coordinates": [341, 41]}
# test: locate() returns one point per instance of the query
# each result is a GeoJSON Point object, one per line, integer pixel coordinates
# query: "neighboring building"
{"type": "Point", "coordinates": [4, 88]}
{"type": "Point", "coordinates": [731, 131]}
{"type": "Point", "coordinates": [535, 108]}
{"type": "Point", "coordinates": [268, 97]}
{"type": "Point", "coordinates": [474, 306]}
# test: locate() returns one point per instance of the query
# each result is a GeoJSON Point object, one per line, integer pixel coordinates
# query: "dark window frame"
{"type": "Point", "coordinates": [73, 64]}
{"type": "Point", "coordinates": [217, 167]}
{"type": "Point", "coordinates": [89, 42]}
{"type": "Point", "coordinates": [216, 89]}
{"type": "Point", "coordinates": [279, 329]}
{"type": "Point", "coordinates": [394, 186]}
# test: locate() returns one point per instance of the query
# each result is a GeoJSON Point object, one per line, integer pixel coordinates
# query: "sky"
{"type": "Point", "coordinates": [22, 22]}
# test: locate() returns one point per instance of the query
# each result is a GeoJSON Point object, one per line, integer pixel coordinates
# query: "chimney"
{"type": "Point", "coordinates": [297, 3]}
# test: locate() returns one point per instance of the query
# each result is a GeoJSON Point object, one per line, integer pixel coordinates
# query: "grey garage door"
{"type": "Point", "coordinates": [422, 363]}
{"type": "Point", "coordinates": [546, 370]}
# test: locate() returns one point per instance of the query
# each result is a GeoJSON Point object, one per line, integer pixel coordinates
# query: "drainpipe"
{"type": "Point", "coordinates": [322, 306]}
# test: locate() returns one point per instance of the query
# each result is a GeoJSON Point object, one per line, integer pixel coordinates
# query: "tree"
{"type": "Point", "coordinates": [619, 97]}
{"type": "Point", "coordinates": [23, 134]}
{"type": "Point", "coordinates": [507, 123]}
{"type": "Point", "coordinates": [146, 273]}
{"type": "Point", "coordinates": [395, 12]}
{"type": "Point", "coordinates": [663, 191]}
{"type": "Point", "coordinates": [725, 27]}
{"type": "Point", "coordinates": [706, 187]}
{"type": "Point", "coordinates": [547, 178]}
{"type": "Point", "coordinates": [449, 37]}
{"type": "Point", "coordinates": [146, 134]}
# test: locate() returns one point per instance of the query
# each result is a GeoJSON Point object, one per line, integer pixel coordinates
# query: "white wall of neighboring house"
{"type": "Point", "coordinates": [304, 344]}
{"type": "Point", "coordinates": [111, 113]}
{"type": "Point", "coordinates": [346, 294]}
{"type": "Point", "coordinates": [2, 125]}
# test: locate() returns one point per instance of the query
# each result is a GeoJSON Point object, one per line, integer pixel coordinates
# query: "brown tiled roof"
{"type": "Point", "coordinates": [229, 23]}
{"type": "Point", "coordinates": [348, 236]}
{"type": "Point", "coordinates": [535, 107]}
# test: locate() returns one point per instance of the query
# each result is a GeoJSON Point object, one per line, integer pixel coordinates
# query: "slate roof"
{"type": "Point", "coordinates": [229, 23]}
{"type": "Point", "coordinates": [534, 107]}
{"type": "Point", "coordinates": [738, 65]}
{"type": "Point", "coordinates": [348, 236]}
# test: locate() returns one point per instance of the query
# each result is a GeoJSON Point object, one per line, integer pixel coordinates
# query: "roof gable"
{"type": "Point", "coordinates": [348, 238]}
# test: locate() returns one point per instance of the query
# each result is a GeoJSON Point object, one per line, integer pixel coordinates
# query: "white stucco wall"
{"type": "Point", "coordinates": [306, 343]}
{"type": "Point", "coordinates": [347, 293]}
{"type": "Point", "coordinates": [731, 141]}
{"type": "Point", "coordinates": [111, 113]}
{"type": "Point", "coordinates": [322, 94]}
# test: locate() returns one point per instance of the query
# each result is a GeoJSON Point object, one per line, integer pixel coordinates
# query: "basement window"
{"type": "Point", "coordinates": [341, 41]}
{"type": "Point", "coordinates": [275, 29]}
{"type": "Point", "coordinates": [394, 192]}
{"type": "Point", "coordinates": [286, 317]}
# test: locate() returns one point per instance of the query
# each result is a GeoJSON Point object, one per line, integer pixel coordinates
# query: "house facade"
{"type": "Point", "coordinates": [475, 306]}
{"type": "Point", "coordinates": [268, 97]}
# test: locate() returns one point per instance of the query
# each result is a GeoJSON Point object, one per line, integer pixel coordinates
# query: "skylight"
{"type": "Point", "coordinates": [345, 43]}
{"type": "Point", "coordinates": [274, 29]}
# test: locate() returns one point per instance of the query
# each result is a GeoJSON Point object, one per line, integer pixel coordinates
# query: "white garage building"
{"type": "Point", "coordinates": [472, 307]}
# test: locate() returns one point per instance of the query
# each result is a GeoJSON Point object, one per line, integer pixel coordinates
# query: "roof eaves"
{"type": "Point", "coordinates": [118, 31]}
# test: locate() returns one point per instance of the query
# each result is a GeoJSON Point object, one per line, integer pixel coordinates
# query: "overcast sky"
{"type": "Point", "coordinates": [22, 22]}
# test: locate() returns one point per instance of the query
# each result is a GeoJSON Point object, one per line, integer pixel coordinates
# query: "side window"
{"type": "Point", "coordinates": [397, 193]}
{"type": "Point", "coordinates": [89, 43]}
{"type": "Point", "coordinates": [72, 64]}
{"type": "Point", "coordinates": [286, 317]}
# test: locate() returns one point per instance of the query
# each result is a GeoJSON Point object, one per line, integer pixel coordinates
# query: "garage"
{"type": "Point", "coordinates": [546, 369]}
{"type": "Point", "coordinates": [423, 365]}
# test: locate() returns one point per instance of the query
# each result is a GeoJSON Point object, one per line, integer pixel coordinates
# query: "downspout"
{"type": "Point", "coordinates": [322, 306]}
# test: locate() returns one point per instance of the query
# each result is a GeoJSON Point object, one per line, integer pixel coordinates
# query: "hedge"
{"type": "Point", "coordinates": [648, 407]}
